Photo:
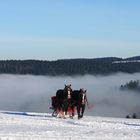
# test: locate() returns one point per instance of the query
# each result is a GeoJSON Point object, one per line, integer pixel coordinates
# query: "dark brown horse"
{"type": "Point", "coordinates": [63, 98]}
{"type": "Point", "coordinates": [79, 100]}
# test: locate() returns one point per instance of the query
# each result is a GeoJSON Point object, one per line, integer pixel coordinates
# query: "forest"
{"type": "Point", "coordinates": [96, 66]}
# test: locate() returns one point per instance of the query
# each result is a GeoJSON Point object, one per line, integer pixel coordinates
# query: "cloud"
{"type": "Point", "coordinates": [33, 93]}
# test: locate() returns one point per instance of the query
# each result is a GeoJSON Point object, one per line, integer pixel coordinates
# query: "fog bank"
{"type": "Point", "coordinates": [33, 93]}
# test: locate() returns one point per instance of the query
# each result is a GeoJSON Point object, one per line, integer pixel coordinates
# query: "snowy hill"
{"type": "Point", "coordinates": [42, 126]}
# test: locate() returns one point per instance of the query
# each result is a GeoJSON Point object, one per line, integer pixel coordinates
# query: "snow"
{"type": "Point", "coordinates": [127, 61]}
{"type": "Point", "coordinates": [42, 126]}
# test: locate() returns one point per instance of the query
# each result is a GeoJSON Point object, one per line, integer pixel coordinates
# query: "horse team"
{"type": "Point", "coordinates": [67, 101]}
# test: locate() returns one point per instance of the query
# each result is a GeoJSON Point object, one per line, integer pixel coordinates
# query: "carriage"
{"type": "Point", "coordinates": [56, 112]}
{"type": "Point", "coordinates": [67, 102]}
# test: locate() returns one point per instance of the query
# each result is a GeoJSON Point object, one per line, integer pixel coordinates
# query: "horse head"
{"type": "Point", "coordinates": [68, 91]}
{"type": "Point", "coordinates": [83, 95]}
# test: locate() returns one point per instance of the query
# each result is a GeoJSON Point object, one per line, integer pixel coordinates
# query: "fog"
{"type": "Point", "coordinates": [33, 93]}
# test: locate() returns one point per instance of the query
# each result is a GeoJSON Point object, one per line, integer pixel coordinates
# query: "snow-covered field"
{"type": "Point", "coordinates": [42, 126]}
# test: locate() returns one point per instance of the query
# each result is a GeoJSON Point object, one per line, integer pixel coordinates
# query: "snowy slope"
{"type": "Point", "coordinates": [39, 126]}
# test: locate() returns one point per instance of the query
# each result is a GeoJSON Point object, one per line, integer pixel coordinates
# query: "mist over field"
{"type": "Point", "coordinates": [33, 93]}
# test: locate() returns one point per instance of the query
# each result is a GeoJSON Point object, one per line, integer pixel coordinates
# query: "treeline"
{"type": "Point", "coordinates": [68, 66]}
{"type": "Point", "coordinates": [132, 85]}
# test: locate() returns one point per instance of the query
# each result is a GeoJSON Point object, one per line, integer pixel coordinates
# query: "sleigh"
{"type": "Point", "coordinates": [59, 112]}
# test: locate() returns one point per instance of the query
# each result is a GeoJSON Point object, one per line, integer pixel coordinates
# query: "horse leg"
{"type": "Point", "coordinates": [64, 109]}
{"type": "Point", "coordinates": [60, 110]}
{"type": "Point", "coordinates": [72, 108]}
{"type": "Point", "coordinates": [83, 109]}
{"type": "Point", "coordinates": [71, 111]}
{"type": "Point", "coordinates": [66, 106]}
{"type": "Point", "coordinates": [78, 111]}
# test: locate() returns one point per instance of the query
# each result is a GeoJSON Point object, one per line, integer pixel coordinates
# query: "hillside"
{"type": "Point", "coordinates": [70, 67]}
{"type": "Point", "coordinates": [41, 126]}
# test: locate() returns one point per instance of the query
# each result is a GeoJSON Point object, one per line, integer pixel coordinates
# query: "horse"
{"type": "Point", "coordinates": [63, 98]}
{"type": "Point", "coordinates": [79, 99]}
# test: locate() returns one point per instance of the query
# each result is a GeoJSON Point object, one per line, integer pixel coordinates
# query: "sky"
{"type": "Point", "coordinates": [64, 29]}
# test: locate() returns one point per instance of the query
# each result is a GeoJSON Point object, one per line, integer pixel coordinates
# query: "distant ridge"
{"type": "Point", "coordinates": [82, 66]}
{"type": "Point", "coordinates": [133, 58]}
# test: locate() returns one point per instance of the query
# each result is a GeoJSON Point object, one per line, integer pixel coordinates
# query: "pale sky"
{"type": "Point", "coordinates": [63, 29]}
